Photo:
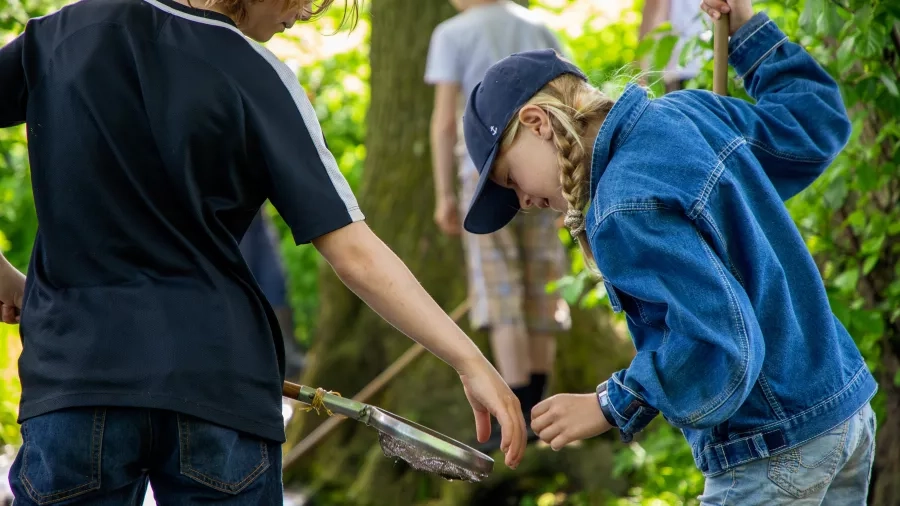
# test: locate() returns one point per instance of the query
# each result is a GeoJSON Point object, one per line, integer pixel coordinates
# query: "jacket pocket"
{"type": "Point", "coordinates": [810, 467]}
{"type": "Point", "coordinates": [221, 458]}
{"type": "Point", "coordinates": [61, 454]}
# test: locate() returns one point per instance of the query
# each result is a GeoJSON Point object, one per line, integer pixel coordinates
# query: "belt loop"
{"type": "Point", "coordinates": [723, 459]}
{"type": "Point", "coordinates": [761, 446]}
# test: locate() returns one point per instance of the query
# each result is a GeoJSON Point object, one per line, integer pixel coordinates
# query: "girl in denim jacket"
{"type": "Point", "coordinates": [679, 203]}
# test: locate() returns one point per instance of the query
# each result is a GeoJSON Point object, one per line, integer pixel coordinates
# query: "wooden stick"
{"type": "Point", "coordinates": [374, 386]}
{"type": "Point", "coordinates": [720, 55]}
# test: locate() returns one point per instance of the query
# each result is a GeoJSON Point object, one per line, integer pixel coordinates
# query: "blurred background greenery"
{"type": "Point", "coordinates": [366, 82]}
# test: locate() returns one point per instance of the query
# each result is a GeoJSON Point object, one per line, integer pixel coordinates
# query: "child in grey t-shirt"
{"type": "Point", "coordinates": [507, 270]}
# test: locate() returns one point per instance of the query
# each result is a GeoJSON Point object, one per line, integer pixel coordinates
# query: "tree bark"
{"type": "Point", "coordinates": [352, 344]}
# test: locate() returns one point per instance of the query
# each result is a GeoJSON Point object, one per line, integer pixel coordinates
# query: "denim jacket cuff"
{"type": "Point", "coordinates": [753, 42]}
{"type": "Point", "coordinates": [632, 413]}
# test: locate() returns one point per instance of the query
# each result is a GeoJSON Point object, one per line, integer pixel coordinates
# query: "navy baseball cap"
{"type": "Point", "coordinates": [506, 87]}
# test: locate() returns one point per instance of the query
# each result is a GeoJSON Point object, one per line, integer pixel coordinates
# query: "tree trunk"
{"type": "Point", "coordinates": [352, 344]}
{"type": "Point", "coordinates": [885, 487]}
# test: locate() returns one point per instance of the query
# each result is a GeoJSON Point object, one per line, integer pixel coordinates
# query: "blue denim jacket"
{"type": "Point", "coordinates": [736, 342]}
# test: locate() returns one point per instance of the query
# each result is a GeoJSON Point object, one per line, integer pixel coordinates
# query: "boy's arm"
{"type": "Point", "coordinates": [372, 271]}
{"type": "Point", "coordinates": [307, 188]}
{"type": "Point", "coordinates": [13, 88]}
{"type": "Point", "coordinates": [710, 324]}
{"type": "Point", "coordinates": [12, 291]}
{"type": "Point", "coordinates": [442, 69]}
{"type": "Point", "coordinates": [799, 122]}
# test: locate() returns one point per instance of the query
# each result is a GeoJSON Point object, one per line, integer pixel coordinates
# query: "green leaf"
{"type": "Point", "coordinates": [870, 264]}
{"type": "Point", "coordinates": [872, 245]}
{"type": "Point", "coordinates": [664, 51]}
{"type": "Point", "coordinates": [891, 84]}
{"type": "Point", "coordinates": [897, 379]}
{"type": "Point", "coordinates": [847, 280]}
{"type": "Point", "coordinates": [873, 41]}
{"type": "Point", "coordinates": [845, 56]}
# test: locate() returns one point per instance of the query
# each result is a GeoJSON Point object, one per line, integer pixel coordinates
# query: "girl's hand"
{"type": "Point", "coordinates": [565, 418]}
{"type": "Point", "coordinates": [740, 11]}
{"type": "Point", "coordinates": [490, 395]}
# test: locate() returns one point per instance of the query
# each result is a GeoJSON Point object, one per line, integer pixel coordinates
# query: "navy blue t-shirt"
{"type": "Point", "coordinates": [155, 132]}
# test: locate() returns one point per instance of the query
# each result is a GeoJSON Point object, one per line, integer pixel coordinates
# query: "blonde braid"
{"type": "Point", "coordinates": [572, 105]}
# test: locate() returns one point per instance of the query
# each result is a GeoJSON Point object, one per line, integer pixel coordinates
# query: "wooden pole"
{"type": "Point", "coordinates": [374, 386]}
{"type": "Point", "coordinates": [720, 55]}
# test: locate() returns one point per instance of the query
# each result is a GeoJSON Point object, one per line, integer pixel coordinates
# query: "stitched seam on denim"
{"type": "Point", "coordinates": [641, 312]}
{"type": "Point", "coordinates": [786, 156]}
{"type": "Point", "coordinates": [629, 207]}
{"type": "Point", "coordinates": [711, 445]}
{"type": "Point", "coordinates": [713, 178]}
{"type": "Point", "coordinates": [62, 495]}
{"type": "Point", "coordinates": [770, 396]}
{"type": "Point", "coordinates": [748, 37]}
{"type": "Point", "coordinates": [632, 121]}
{"type": "Point", "coordinates": [705, 214]}
{"type": "Point", "coordinates": [222, 486]}
{"type": "Point", "coordinates": [820, 484]}
{"type": "Point", "coordinates": [763, 57]}
{"type": "Point", "coordinates": [837, 448]}
{"type": "Point", "coordinates": [743, 340]}
{"type": "Point", "coordinates": [630, 391]}
{"type": "Point", "coordinates": [733, 483]}
{"type": "Point", "coordinates": [850, 384]}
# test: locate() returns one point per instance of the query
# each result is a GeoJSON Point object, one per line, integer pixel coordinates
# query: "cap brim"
{"type": "Point", "coordinates": [493, 206]}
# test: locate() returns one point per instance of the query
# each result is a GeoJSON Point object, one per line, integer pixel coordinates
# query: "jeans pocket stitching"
{"type": "Point", "coordinates": [222, 486]}
{"type": "Point", "coordinates": [95, 461]}
{"type": "Point", "coordinates": [780, 468]}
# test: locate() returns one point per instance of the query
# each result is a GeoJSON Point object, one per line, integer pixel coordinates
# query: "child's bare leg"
{"type": "Point", "coordinates": [542, 351]}
{"type": "Point", "coordinates": [510, 346]}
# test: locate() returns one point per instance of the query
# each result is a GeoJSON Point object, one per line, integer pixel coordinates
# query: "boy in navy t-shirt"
{"type": "Point", "coordinates": [150, 354]}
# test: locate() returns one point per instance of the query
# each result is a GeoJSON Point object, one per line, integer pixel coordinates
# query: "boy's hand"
{"type": "Point", "coordinates": [565, 418]}
{"type": "Point", "coordinates": [740, 11]}
{"type": "Point", "coordinates": [490, 395]}
{"type": "Point", "coordinates": [12, 291]}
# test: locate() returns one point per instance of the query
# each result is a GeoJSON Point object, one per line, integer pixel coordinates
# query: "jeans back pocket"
{"type": "Point", "coordinates": [811, 466]}
{"type": "Point", "coordinates": [61, 456]}
{"type": "Point", "coordinates": [219, 457]}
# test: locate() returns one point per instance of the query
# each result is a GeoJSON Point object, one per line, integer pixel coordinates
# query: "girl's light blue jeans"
{"type": "Point", "coordinates": [832, 469]}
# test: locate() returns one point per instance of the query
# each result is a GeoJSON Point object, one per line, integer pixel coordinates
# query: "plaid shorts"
{"type": "Point", "coordinates": [508, 271]}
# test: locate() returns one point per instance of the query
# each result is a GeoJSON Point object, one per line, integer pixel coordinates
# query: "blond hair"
{"type": "Point", "coordinates": [237, 9]}
{"type": "Point", "coordinates": [572, 105]}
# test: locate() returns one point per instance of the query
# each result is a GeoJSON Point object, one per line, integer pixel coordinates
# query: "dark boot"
{"type": "Point", "coordinates": [493, 443]}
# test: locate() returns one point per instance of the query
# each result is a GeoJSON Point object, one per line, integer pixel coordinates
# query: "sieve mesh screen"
{"type": "Point", "coordinates": [422, 460]}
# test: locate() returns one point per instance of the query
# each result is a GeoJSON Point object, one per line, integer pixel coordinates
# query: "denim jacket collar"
{"type": "Point", "coordinates": [615, 129]}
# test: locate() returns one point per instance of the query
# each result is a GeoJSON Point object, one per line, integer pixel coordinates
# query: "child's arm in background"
{"type": "Point", "coordinates": [799, 122]}
{"type": "Point", "coordinates": [13, 88]}
{"type": "Point", "coordinates": [444, 71]}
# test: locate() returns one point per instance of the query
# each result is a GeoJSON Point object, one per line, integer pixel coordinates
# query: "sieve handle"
{"type": "Point", "coordinates": [335, 403]}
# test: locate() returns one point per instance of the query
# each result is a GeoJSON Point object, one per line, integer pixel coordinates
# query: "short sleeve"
{"type": "Point", "coordinates": [442, 64]}
{"type": "Point", "coordinates": [14, 94]}
{"type": "Point", "coordinates": [306, 185]}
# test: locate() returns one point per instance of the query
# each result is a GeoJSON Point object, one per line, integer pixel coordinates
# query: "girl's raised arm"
{"type": "Point", "coordinates": [799, 122]}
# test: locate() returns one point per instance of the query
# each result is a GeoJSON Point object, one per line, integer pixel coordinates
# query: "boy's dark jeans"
{"type": "Point", "coordinates": [107, 456]}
